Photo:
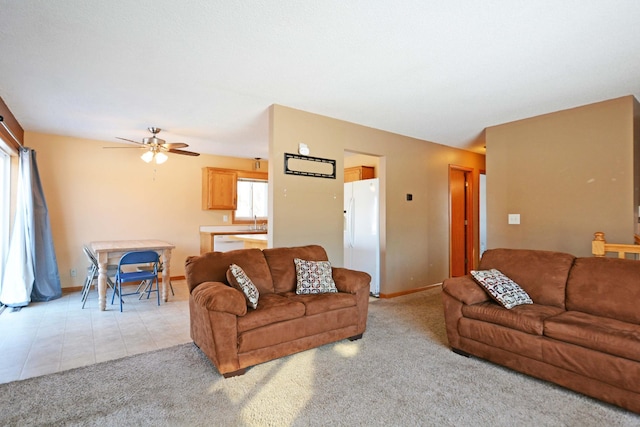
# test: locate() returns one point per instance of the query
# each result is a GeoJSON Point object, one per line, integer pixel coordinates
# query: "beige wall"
{"type": "Point", "coordinates": [104, 194]}
{"type": "Point", "coordinates": [415, 235]}
{"type": "Point", "coordinates": [568, 174]}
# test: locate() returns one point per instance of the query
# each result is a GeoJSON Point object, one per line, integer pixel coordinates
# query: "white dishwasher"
{"type": "Point", "coordinates": [224, 243]}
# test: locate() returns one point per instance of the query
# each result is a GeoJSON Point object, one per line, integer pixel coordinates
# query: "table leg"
{"type": "Point", "coordinates": [102, 281]}
{"type": "Point", "coordinates": [166, 273]}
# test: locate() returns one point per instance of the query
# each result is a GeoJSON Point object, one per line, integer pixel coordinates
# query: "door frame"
{"type": "Point", "coordinates": [469, 215]}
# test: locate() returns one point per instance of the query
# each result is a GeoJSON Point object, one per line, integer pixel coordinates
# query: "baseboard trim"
{"type": "Point", "coordinates": [410, 291]}
{"type": "Point", "coordinates": [70, 289]}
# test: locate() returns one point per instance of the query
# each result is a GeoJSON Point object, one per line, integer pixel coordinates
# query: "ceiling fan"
{"type": "Point", "coordinates": [157, 147]}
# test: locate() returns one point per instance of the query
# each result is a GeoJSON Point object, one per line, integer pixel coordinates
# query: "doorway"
{"type": "Point", "coordinates": [460, 220]}
{"type": "Point", "coordinates": [364, 217]}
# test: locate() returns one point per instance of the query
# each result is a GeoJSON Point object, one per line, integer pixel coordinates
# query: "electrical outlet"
{"type": "Point", "coordinates": [225, 218]}
{"type": "Point", "coordinates": [73, 272]}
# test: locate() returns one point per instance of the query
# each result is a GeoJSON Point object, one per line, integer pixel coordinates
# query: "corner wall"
{"type": "Point", "coordinates": [568, 174]}
{"type": "Point", "coordinates": [415, 235]}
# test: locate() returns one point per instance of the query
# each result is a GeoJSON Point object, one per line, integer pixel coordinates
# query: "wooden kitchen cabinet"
{"type": "Point", "coordinates": [219, 189]}
{"type": "Point", "coordinates": [358, 173]}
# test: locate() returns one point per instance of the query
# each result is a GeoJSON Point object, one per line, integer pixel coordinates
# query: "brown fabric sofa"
{"type": "Point", "coordinates": [582, 332]}
{"type": "Point", "coordinates": [235, 337]}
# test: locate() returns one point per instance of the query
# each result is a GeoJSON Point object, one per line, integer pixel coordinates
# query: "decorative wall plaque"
{"type": "Point", "coordinates": [297, 164]}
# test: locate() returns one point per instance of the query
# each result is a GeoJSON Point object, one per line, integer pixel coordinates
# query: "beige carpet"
{"type": "Point", "coordinates": [400, 374]}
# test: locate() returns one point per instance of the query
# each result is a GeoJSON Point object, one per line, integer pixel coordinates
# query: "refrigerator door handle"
{"type": "Point", "coordinates": [352, 219]}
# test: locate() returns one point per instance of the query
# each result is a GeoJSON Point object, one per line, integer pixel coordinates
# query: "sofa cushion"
{"type": "Point", "coordinates": [302, 328]}
{"type": "Point", "coordinates": [273, 308]}
{"type": "Point", "coordinates": [598, 333]}
{"type": "Point", "coordinates": [283, 270]}
{"type": "Point", "coordinates": [321, 303]}
{"type": "Point", "coordinates": [542, 274]}
{"type": "Point", "coordinates": [239, 280]}
{"type": "Point", "coordinates": [212, 267]}
{"type": "Point", "coordinates": [620, 372]}
{"type": "Point", "coordinates": [501, 288]}
{"type": "Point", "coordinates": [313, 277]}
{"type": "Point", "coordinates": [509, 339]}
{"type": "Point", "coordinates": [607, 287]}
{"type": "Point", "coordinates": [527, 318]}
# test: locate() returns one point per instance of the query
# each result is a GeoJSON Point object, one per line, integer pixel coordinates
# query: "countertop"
{"type": "Point", "coordinates": [257, 237]}
{"type": "Point", "coordinates": [208, 233]}
{"type": "Point", "coordinates": [229, 229]}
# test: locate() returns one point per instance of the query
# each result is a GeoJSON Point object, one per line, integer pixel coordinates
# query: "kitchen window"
{"type": "Point", "coordinates": [253, 200]}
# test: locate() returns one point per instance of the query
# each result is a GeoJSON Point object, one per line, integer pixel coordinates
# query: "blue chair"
{"type": "Point", "coordinates": [137, 257]}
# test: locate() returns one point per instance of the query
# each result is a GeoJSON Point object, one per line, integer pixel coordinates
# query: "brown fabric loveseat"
{"type": "Point", "coordinates": [235, 337]}
{"type": "Point", "coordinates": [581, 332]}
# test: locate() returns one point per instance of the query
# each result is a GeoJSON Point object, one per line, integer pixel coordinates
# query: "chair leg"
{"type": "Point", "coordinates": [87, 284]}
{"type": "Point", "coordinates": [113, 294]}
{"type": "Point", "coordinates": [111, 284]}
{"type": "Point", "coordinates": [149, 288]}
{"type": "Point", "coordinates": [85, 292]}
{"type": "Point", "coordinates": [117, 290]}
{"type": "Point", "coordinates": [158, 290]}
{"type": "Point", "coordinates": [146, 286]}
{"type": "Point", "coordinates": [120, 295]}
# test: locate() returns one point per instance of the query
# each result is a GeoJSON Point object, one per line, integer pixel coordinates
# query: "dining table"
{"type": "Point", "coordinates": [110, 251]}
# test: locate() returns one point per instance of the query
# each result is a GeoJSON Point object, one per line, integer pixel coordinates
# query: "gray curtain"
{"type": "Point", "coordinates": [31, 270]}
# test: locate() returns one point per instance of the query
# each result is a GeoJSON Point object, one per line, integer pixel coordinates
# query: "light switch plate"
{"type": "Point", "coordinates": [514, 218]}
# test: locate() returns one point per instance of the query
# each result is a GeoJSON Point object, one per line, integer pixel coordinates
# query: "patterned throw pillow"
{"type": "Point", "coordinates": [314, 277]}
{"type": "Point", "coordinates": [502, 289]}
{"type": "Point", "coordinates": [239, 280]}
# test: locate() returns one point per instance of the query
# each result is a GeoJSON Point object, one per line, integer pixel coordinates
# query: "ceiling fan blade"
{"type": "Point", "coordinates": [127, 147]}
{"type": "Point", "coordinates": [172, 145]}
{"type": "Point", "coordinates": [131, 140]}
{"type": "Point", "coordinates": [185, 152]}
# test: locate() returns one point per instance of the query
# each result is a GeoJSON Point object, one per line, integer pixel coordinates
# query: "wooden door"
{"type": "Point", "coordinates": [461, 221]}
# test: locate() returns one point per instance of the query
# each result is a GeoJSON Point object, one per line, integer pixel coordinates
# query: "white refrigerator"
{"type": "Point", "coordinates": [362, 229]}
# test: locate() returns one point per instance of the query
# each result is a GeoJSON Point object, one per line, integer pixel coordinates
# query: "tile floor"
{"type": "Point", "coordinates": [53, 336]}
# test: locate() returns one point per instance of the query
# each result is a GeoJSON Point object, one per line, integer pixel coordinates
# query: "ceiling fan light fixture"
{"type": "Point", "coordinates": [161, 158]}
{"type": "Point", "coordinates": [156, 147]}
{"type": "Point", "coordinates": [147, 156]}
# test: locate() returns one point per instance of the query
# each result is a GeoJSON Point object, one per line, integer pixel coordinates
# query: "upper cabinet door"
{"type": "Point", "coordinates": [219, 189]}
{"type": "Point", "coordinates": [358, 173]}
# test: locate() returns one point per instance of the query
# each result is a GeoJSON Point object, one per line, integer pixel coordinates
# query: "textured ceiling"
{"type": "Point", "coordinates": [207, 71]}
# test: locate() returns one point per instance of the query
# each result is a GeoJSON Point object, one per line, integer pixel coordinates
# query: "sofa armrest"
{"type": "Point", "coordinates": [465, 290]}
{"type": "Point", "coordinates": [217, 296]}
{"type": "Point", "coordinates": [350, 281]}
